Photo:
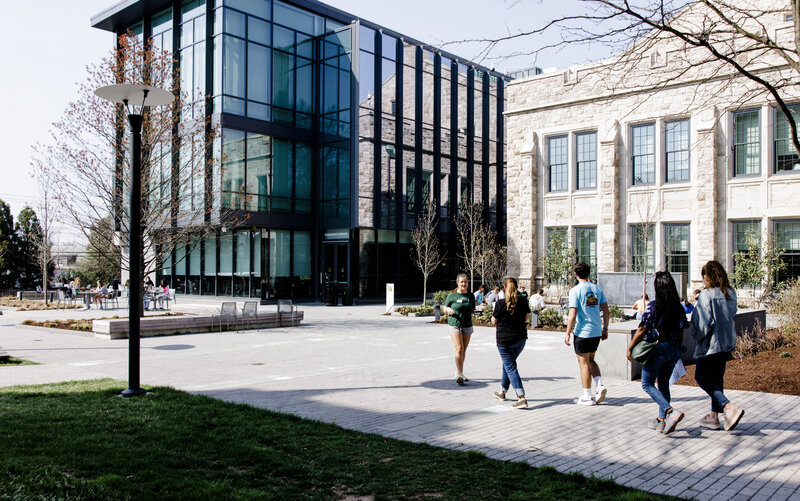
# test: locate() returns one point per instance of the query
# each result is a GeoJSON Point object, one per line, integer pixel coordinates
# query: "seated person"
{"type": "Point", "coordinates": [493, 296]}
{"type": "Point", "coordinates": [537, 305]}
{"type": "Point", "coordinates": [640, 306]}
{"type": "Point", "coordinates": [101, 293]}
{"type": "Point", "coordinates": [162, 294]}
{"type": "Point", "coordinates": [480, 294]}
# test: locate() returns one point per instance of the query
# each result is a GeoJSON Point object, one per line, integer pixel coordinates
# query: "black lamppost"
{"type": "Point", "coordinates": [129, 95]}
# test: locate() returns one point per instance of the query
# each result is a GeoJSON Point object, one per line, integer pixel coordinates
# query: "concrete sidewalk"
{"type": "Point", "coordinates": [394, 376]}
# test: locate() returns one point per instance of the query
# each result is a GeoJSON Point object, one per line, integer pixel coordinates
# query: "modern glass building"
{"type": "Point", "coordinates": [336, 133]}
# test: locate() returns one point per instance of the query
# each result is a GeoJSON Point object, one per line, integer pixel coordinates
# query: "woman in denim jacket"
{"type": "Point", "coordinates": [662, 322]}
{"type": "Point", "coordinates": [715, 334]}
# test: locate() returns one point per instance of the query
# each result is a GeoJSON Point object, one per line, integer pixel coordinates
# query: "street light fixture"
{"type": "Point", "coordinates": [131, 96]}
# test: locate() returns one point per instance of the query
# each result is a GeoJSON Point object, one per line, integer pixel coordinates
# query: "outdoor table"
{"type": "Point", "coordinates": [87, 297]}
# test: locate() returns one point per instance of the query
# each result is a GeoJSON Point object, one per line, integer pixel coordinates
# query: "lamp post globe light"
{"type": "Point", "coordinates": [141, 96]}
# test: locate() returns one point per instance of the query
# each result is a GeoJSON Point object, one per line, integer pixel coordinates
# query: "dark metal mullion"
{"type": "Point", "coordinates": [471, 133]}
{"type": "Point", "coordinates": [453, 141]}
{"type": "Point", "coordinates": [209, 109]}
{"type": "Point", "coordinates": [437, 131]}
{"type": "Point", "coordinates": [501, 210]}
{"type": "Point", "coordinates": [398, 137]}
{"type": "Point", "coordinates": [377, 201]}
{"type": "Point", "coordinates": [485, 145]}
{"type": "Point", "coordinates": [418, 130]}
{"type": "Point", "coordinates": [176, 146]}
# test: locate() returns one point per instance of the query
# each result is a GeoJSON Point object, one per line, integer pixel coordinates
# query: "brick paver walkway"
{"type": "Point", "coordinates": [393, 376]}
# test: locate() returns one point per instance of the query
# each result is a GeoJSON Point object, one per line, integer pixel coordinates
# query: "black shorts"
{"type": "Point", "coordinates": [586, 344]}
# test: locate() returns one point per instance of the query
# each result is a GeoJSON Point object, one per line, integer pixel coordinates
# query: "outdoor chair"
{"type": "Point", "coordinates": [113, 297]}
{"type": "Point", "coordinates": [285, 306]}
{"type": "Point", "coordinates": [62, 298]}
{"type": "Point", "coordinates": [227, 314]}
{"type": "Point", "coordinates": [250, 313]}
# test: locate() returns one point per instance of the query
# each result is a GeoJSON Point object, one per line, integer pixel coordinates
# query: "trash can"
{"type": "Point", "coordinates": [331, 294]}
{"type": "Point", "coordinates": [347, 294]}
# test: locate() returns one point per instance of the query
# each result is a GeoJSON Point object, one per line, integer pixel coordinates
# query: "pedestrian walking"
{"type": "Point", "coordinates": [662, 323]}
{"type": "Point", "coordinates": [715, 334]}
{"type": "Point", "coordinates": [459, 306]}
{"type": "Point", "coordinates": [586, 300]}
{"type": "Point", "coordinates": [510, 316]}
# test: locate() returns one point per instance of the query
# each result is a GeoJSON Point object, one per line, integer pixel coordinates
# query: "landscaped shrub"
{"type": "Point", "coordinates": [440, 296]}
{"type": "Point", "coordinates": [551, 317]}
{"type": "Point", "coordinates": [751, 341]}
{"type": "Point", "coordinates": [615, 312]}
{"type": "Point", "coordinates": [486, 314]}
{"type": "Point", "coordinates": [786, 304]}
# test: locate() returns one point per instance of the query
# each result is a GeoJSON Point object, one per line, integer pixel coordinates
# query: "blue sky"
{"type": "Point", "coordinates": [48, 44]}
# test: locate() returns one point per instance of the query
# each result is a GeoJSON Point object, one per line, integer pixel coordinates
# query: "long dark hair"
{"type": "Point", "coordinates": [668, 302]}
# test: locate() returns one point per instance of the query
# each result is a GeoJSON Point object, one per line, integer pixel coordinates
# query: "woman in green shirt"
{"type": "Point", "coordinates": [459, 306]}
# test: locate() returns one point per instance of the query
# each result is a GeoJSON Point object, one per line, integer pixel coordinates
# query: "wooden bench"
{"type": "Point", "coordinates": [184, 324]}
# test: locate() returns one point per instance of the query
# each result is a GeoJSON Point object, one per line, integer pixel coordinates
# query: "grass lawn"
{"type": "Point", "coordinates": [81, 441]}
{"type": "Point", "coordinates": [16, 361]}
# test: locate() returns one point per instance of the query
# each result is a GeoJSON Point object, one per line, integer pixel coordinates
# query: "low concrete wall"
{"type": "Point", "coordinates": [611, 353]}
{"type": "Point", "coordinates": [188, 324]}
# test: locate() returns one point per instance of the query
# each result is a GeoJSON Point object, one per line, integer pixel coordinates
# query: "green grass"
{"type": "Point", "coordinates": [16, 361]}
{"type": "Point", "coordinates": [81, 441]}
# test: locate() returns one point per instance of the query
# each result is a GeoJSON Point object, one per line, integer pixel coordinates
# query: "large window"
{"type": "Point", "coordinates": [193, 56]}
{"type": "Point", "coordinates": [643, 148]}
{"type": "Point", "coordinates": [586, 247]}
{"type": "Point", "coordinates": [747, 143]}
{"type": "Point", "coordinates": [586, 158]}
{"type": "Point", "coordinates": [676, 247]}
{"type": "Point", "coordinates": [643, 248]}
{"type": "Point", "coordinates": [786, 158]}
{"type": "Point", "coordinates": [676, 145]}
{"type": "Point", "coordinates": [787, 237]}
{"type": "Point", "coordinates": [557, 163]}
{"type": "Point", "coordinates": [742, 233]}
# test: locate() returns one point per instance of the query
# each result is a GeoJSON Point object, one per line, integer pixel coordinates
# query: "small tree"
{"type": "Point", "coordinates": [470, 228]}
{"type": "Point", "coordinates": [428, 254]}
{"type": "Point", "coordinates": [643, 237]}
{"type": "Point", "coordinates": [7, 245]}
{"type": "Point", "coordinates": [558, 259]}
{"type": "Point", "coordinates": [754, 266]}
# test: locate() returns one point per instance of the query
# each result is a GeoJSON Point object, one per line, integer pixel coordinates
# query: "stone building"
{"type": "Point", "coordinates": [660, 137]}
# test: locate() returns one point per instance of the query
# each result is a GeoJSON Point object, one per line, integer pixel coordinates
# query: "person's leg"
{"type": "Point", "coordinates": [650, 373]}
{"type": "Point", "coordinates": [709, 372]}
{"type": "Point", "coordinates": [458, 345]}
{"type": "Point", "coordinates": [505, 355]}
{"type": "Point", "coordinates": [586, 376]}
{"type": "Point", "coordinates": [594, 369]}
{"type": "Point", "coordinates": [464, 343]}
{"type": "Point", "coordinates": [509, 356]}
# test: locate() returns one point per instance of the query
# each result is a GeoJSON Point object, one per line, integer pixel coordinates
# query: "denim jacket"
{"type": "Point", "coordinates": [712, 319]}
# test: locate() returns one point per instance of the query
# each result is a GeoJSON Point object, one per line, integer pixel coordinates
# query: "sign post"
{"type": "Point", "coordinates": [389, 298]}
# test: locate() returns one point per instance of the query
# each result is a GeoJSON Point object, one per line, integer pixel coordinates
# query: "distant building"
{"type": "Point", "coordinates": [592, 147]}
{"type": "Point", "coordinates": [337, 132]}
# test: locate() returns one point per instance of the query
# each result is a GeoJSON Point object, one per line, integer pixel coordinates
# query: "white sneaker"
{"type": "Point", "coordinates": [600, 395]}
{"type": "Point", "coordinates": [584, 401]}
{"type": "Point", "coordinates": [459, 379]}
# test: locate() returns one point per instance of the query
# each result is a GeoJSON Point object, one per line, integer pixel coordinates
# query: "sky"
{"type": "Point", "coordinates": [48, 44]}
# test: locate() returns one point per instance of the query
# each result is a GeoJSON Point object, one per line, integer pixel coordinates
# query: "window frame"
{"type": "Point", "coordinates": [651, 154]}
{"type": "Point", "coordinates": [775, 113]}
{"type": "Point", "coordinates": [651, 249]}
{"type": "Point", "coordinates": [776, 238]}
{"type": "Point", "coordinates": [667, 255]}
{"type": "Point", "coordinates": [564, 165]}
{"type": "Point", "coordinates": [579, 162]}
{"type": "Point", "coordinates": [734, 143]}
{"type": "Point", "coordinates": [688, 150]}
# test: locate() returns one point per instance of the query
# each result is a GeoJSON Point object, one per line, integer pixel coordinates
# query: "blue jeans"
{"type": "Point", "coordinates": [509, 354]}
{"type": "Point", "coordinates": [709, 373]}
{"type": "Point", "coordinates": [659, 369]}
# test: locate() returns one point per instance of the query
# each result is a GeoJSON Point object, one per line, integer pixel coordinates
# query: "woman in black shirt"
{"type": "Point", "coordinates": [511, 316]}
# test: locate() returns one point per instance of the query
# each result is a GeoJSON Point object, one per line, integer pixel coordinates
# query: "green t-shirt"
{"type": "Point", "coordinates": [464, 306]}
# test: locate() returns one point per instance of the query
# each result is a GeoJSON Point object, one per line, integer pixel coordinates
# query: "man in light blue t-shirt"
{"type": "Point", "coordinates": [586, 301]}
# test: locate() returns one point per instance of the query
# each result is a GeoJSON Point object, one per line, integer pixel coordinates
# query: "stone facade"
{"type": "Point", "coordinates": [653, 87]}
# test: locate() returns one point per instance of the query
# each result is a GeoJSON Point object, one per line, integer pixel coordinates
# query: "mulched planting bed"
{"type": "Point", "coordinates": [766, 371]}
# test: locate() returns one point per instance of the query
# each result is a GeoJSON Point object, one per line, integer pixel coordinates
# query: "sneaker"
{"type": "Point", "coordinates": [465, 378]}
{"type": "Point", "coordinates": [709, 422]}
{"type": "Point", "coordinates": [673, 418]}
{"type": "Point", "coordinates": [459, 379]}
{"type": "Point", "coordinates": [732, 417]}
{"type": "Point", "coordinates": [656, 424]}
{"type": "Point", "coordinates": [500, 395]}
{"type": "Point", "coordinates": [520, 404]}
{"type": "Point", "coordinates": [584, 400]}
{"type": "Point", "coordinates": [600, 395]}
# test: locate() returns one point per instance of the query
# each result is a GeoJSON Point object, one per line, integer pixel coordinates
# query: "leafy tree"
{"type": "Point", "coordinates": [28, 233]}
{"type": "Point", "coordinates": [559, 259]}
{"type": "Point", "coordinates": [755, 266]}
{"type": "Point", "coordinates": [8, 274]}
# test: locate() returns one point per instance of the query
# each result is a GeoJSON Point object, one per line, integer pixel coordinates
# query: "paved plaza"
{"type": "Point", "coordinates": [394, 376]}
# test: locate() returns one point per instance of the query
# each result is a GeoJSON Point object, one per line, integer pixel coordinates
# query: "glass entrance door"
{"type": "Point", "coordinates": [335, 262]}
